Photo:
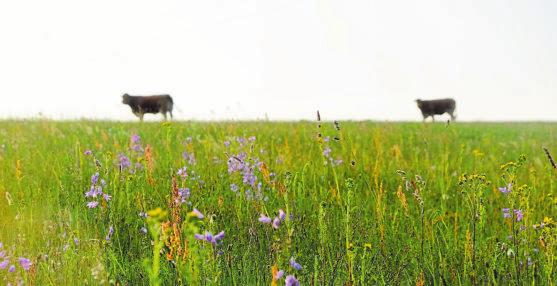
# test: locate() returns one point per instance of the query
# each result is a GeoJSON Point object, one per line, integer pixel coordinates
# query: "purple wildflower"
{"type": "Point", "coordinates": [234, 188]}
{"type": "Point", "coordinates": [199, 236]}
{"type": "Point", "coordinates": [219, 236]}
{"type": "Point", "coordinates": [135, 138]}
{"type": "Point", "coordinates": [75, 241]}
{"type": "Point", "coordinates": [295, 264]}
{"type": "Point", "coordinates": [110, 232]}
{"type": "Point", "coordinates": [107, 197]}
{"type": "Point", "coordinates": [506, 213]}
{"type": "Point", "coordinates": [88, 153]}
{"type": "Point", "coordinates": [92, 193]}
{"type": "Point", "coordinates": [227, 144]}
{"type": "Point", "coordinates": [282, 215]}
{"type": "Point", "coordinates": [264, 219]}
{"type": "Point", "coordinates": [251, 139]}
{"type": "Point", "coordinates": [184, 194]}
{"type": "Point", "coordinates": [183, 173]}
{"type": "Point", "coordinates": [189, 157]}
{"type": "Point", "coordinates": [208, 236]}
{"type": "Point", "coordinates": [123, 162]}
{"type": "Point", "coordinates": [2, 253]}
{"type": "Point", "coordinates": [95, 178]}
{"type": "Point", "coordinates": [12, 268]}
{"type": "Point", "coordinates": [519, 215]}
{"type": "Point", "coordinates": [25, 263]}
{"type": "Point", "coordinates": [291, 281]}
{"type": "Point", "coordinates": [327, 152]}
{"type": "Point", "coordinates": [198, 214]}
{"type": "Point", "coordinates": [4, 264]}
{"type": "Point", "coordinates": [92, 204]}
{"type": "Point", "coordinates": [279, 274]}
{"type": "Point", "coordinates": [276, 223]}
{"type": "Point", "coordinates": [507, 189]}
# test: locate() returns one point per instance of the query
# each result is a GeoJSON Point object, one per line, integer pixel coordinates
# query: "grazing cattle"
{"type": "Point", "coordinates": [149, 104]}
{"type": "Point", "coordinates": [437, 107]}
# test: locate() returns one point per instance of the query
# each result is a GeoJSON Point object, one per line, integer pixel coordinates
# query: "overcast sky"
{"type": "Point", "coordinates": [279, 59]}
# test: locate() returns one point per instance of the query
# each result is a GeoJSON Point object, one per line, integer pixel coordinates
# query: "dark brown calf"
{"type": "Point", "coordinates": [149, 104]}
{"type": "Point", "coordinates": [437, 107]}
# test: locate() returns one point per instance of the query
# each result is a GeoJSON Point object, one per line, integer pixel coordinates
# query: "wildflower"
{"type": "Point", "coordinates": [75, 241]}
{"type": "Point", "coordinates": [12, 268]}
{"type": "Point", "coordinates": [2, 254]}
{"type": "Point", "coordinates": [234, 188]}
{"type": "Point", "coordinates": [184, 194]}
{"type": "Point", "coordinates": [143, 214]}
{"type": "Point", "coordinates": [264, 219]}
{"type": "Point", "coordinates": [507, 189]}
{"type": "Point", "coordinates": [190, 157]}
{"type": "Point", "coordinates": [88, 152]}
{"type": "Point", "coordinates": [227, 144]}
{"type": "Point", "coordinates": [183, 173]}
{"type": "Point", "coordinates": [135, 138]}
{"type": "Point", "coordinates": [219, 236]}
{"type": "Point", "coordinates": [506, 213]}
{"type": "Point", "coordinates": [282, 215]}
{"type": "Point", "coordinates": [327, 152]}
{"type": "Point", "coordinates": [1, 245]}
{"type": "Point", "coordinates": [95, 178]}
{"type": "Point", "coordinates": [279, 274]}
{"type": "Point", "coordinates": [143, 230]}
{"type": "Point", "coordinates": [251, 139]}
{"type": "Point", "coordinates": [92, 204]}
{"type": "Point", "coordinates": [295, 264]}
{"type": "Point", "coordinates": [124, 162]}
{"type": "Point", "coordinates": [519, 215]}
{"type": "Point", "coordinates": [291, 281]}
{"type": "Point", "coordinates": [197, 213]}
{"type": "Point", "coordinates": [110, 232]}
{"type": "Point", "coordinates": [209, 237]}
{"type": "Point", "coordinates": [276, 223]}
{"type": "Point", "coordinates": [25, 263]}
{"type": "Point", "coordinates": [107, 197]}
{"type": "Point", "coordinates": [4, 264]}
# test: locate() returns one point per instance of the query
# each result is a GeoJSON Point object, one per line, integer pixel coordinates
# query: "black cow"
{"type": "Point", "coordinates": [149, 104]}
{"type": "Point", "coordinates": [437, 106]}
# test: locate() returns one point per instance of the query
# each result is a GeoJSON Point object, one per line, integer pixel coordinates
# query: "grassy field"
{"type": "Point", "coordinates": [369, 204]}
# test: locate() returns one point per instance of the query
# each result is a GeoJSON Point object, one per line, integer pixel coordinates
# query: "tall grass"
{"type": "Point", "coordinates": [365, 203]}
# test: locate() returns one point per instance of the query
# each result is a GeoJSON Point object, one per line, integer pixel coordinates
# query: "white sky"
{"type": "Point", "coordinates": [281, 59]}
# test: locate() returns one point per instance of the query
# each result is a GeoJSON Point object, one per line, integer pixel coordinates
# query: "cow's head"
{"type": "Point", "coordinates": [126, 98]}
{"type": "Point", "coordinates": [419, 102]}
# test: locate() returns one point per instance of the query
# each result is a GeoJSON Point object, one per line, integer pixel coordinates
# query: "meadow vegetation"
{"type": "Point", "coordinates": [268, 203]}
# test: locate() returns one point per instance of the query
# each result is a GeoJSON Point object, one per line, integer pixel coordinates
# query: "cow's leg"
{"type": "Point", "coordinates": [141, 116]}
{"type": "Point", "coordinates": [432, 118]}
{"type": "Point", "coordinates": [171, 117]}
{"type": "Point", "coordinates": [164, 114]}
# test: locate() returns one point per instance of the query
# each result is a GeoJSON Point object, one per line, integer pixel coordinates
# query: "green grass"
{"type": "Point", "coordinates": [410, 203]}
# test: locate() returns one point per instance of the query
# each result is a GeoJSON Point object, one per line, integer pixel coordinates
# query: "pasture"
{"type": "Point", "coordinates": [364, 204]}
